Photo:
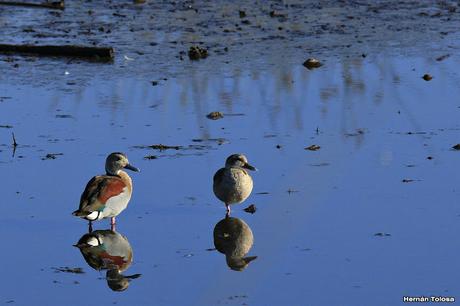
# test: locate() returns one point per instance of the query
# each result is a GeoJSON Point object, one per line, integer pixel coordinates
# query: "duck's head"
{"type": "Point", "coordinates": [238, 160]}
{"type": "Point", "coordinates": [117, 161]}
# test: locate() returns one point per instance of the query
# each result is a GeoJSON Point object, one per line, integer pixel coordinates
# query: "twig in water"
{"type": "Point", "coordinates": [15, 144]}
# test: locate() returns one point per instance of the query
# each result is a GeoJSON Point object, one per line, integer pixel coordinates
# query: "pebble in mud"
{"type": "Point", "coordinates": [312, 63]}
{"type": "Point", "coordinates": [196, 53]}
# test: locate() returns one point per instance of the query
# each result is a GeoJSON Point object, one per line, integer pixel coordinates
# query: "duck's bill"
{"type": "Point", "coordinates": [249, 167]}
{"type": "Point", "coordinates": [132, 168]}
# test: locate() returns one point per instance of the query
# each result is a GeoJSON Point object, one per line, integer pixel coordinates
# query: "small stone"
{"type": "Point", "coordinates": [250, 209]}
{"type": "Point", "coordinates": [313, 147]}
{"type": "Point", "coordinates": [312, 63]}
{"type": "Point", "coordinates": [196, 53]}
{"type": "Point", "coordinates": [427, 77]}
{"type": "Point", "coordinates": [215, 115]}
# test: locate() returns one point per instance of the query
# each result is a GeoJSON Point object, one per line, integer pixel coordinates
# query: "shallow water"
{"type": "Point", "coordinates": [342, 225]}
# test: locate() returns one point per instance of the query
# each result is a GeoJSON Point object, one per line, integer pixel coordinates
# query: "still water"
{"type": "Point", "coordinates": [371, 216]}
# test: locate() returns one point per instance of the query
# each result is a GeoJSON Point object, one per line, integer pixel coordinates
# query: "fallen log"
{"type": "Point", "coordinates": [59, 5]}
{"type": "Point", "coordinates": [96, 53]}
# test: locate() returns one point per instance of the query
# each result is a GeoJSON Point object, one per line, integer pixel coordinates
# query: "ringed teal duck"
{"type": "Point", "coordinates": [106, 196]}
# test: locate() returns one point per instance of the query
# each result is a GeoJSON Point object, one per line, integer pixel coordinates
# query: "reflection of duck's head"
{"type": "Point", "coordinates": [233, 237]}
{"type": "Point", "coordinates": [239, 263]}
{"type": "Point", "coordinates": [111, 251]}
{"type": "Point", "coordinates": [117, 281]}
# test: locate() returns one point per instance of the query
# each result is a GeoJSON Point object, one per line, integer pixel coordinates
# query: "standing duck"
{"type": "Point", "coordinates": [233, 184]}
{"type": "Point", "coordinates": [106, 196]}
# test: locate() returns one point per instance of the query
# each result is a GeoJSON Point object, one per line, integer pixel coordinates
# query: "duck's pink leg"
{"type": "Point", "coordinates": [112, 223]}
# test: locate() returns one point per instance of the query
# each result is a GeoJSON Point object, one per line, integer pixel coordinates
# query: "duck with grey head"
{"type": "Point", "coordinates": [106, 196]}
{"type": "Point", "coordinates": [233, 184]}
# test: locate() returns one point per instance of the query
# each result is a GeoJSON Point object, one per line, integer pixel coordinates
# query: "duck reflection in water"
{"type": "Point", "coordinates": [111, 251]}
{"type": "Point", "coordinates": [233, 237]}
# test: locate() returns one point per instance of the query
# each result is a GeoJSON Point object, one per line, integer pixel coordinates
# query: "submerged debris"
{"type": "Point", "coordinates": [196, 53]}
{"type": "Point", "coordinates": [407, 180]}
{"type": "Point", "coordinates": [320, 164]}
{"type": "Point", "coordinates": [219, 141]}
{"type": "Point", "coordinates": [149, 157]}
{"type": "Point", "coordinates": [215, 115]}
{"type": "Point", "coordinates": [162, 147]}
{"type": "Point", "coordinates": [427, 77]}
{"type": "Point", "coordinates": [382, 234]}
{"type": "Point", "coordinates": [442, 57]}
{"type": "Point", "coordinates": [456, 147]}
{"type": "Point", "coordinates": [52, 156]}
{"type": "Point", "coordinates": [69, 270]}
{"type": "Point", "coordinates": [357, 133]}
{"type": "Point", "coordinates": [6, 126]}
{"type": "Point", "coordinates": [64, 116]}
{"type": "Point", "coordinates": [250, 209]}
{"type": "Point", "coordinates": [312, 63]}
{"type": "Point", "coordinates": [313, 147]}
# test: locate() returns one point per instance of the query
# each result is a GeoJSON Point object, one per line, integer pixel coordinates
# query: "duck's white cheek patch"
{"type": "Point", "coordinates": [93, 242]}
{"type": "Point", "coordinates": [93, 216]}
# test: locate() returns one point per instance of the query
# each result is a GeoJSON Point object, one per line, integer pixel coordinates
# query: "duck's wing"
{"type": "Point", "coordinates": [98, 190]}
{"type": "Point", "coordinates": [219, 176]}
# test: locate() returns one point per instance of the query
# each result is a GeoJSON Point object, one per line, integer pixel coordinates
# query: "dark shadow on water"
{"type": "Point", "coordinates": [233, 237]}
{"type": "Point", "coordinates": [111, 251]}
